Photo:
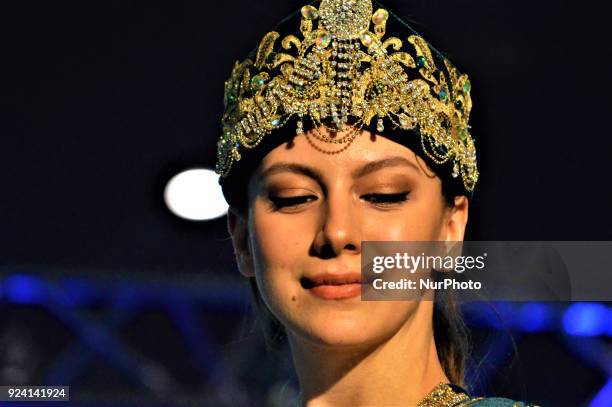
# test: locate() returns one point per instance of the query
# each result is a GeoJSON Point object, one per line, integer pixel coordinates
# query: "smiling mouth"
{"type": "Point", "coordinates": [333, 287]}
{"type": "Point", "coordinates": [311, 282]}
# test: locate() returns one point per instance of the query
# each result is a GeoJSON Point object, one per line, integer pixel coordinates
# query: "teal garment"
{"type": "Point", "coordinates": [498, 402]}
{"type": "Point", "coordinates": [451, 395]}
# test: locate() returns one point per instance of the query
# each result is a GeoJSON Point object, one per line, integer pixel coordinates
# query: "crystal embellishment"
{"type": "Point", "coordinates": [346, 19]}
{"type": "Point", "coordinates": [310, 13]}
{"type": "Point", "coordinates": [380, 16]}
{"type": "Point", "coordinates": [353, 76]}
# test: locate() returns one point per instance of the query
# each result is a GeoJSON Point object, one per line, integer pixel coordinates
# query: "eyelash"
{"type": "Point", "coordinates": [292, 201]}
{"type": "Point", "coordinates": [388, 199]}
{"type": "Point", "coordinates": [377, 199]}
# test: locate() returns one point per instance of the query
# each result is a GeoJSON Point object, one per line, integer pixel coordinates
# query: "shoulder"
{"type": "Point", "coordinates": [452, 395]}
{"type": "Point", "coordinates": [496, 402]}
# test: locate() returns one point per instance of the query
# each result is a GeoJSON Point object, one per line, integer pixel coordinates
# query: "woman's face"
{"type": "Point", "coordinates": [309, 213]}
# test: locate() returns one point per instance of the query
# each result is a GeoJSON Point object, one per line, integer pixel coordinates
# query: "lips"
{"type": "Point", "coordinates": [333, 286]}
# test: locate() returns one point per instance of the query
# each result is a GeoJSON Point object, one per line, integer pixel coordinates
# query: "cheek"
{"type": "Point", "coordinates": [276, 243]}
{"type": "Point", "coordinates": [277, 255]}
{"type": "Point", "coordinates": [275, 239]}
{"type": "Point", "coordinates": [417, 221]}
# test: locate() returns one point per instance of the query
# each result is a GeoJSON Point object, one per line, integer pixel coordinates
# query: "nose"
{"type": "Point", "coordinates": [340, 229]}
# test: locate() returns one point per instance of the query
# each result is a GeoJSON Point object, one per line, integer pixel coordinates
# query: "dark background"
{"type": "Point", "coordinates": [103, 102]}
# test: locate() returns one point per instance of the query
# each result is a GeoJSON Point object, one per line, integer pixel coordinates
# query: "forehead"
{"type": "Point", "coordinates": [366, 148]}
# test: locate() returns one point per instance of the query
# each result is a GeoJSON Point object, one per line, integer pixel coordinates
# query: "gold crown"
{"type": "Point", "coordinates": [341, 75]}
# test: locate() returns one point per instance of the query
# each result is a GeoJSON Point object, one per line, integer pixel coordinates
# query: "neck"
{"type": "Point", "coordinates": [402, 368]}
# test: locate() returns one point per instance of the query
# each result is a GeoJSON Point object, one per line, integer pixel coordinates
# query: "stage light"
{"type": "Point", "coordinates": [534, 317]}
{"type": "Point", "coordinates": [195, 195]}
{"type": "Point", "coordinates": [585, 319]}
{"type": "Point", "coordinates": [24, 289]}
{"type": "Point", "coordinates": [604, 397]}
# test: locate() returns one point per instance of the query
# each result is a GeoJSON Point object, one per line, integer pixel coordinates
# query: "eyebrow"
{"type": "Point", "coordinates": [293, 168]}
{"type": "Point", "coordinates": [395, 161]}
{"type": "Point", "coordinates": [369, 168]}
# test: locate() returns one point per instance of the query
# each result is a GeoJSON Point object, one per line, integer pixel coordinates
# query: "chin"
{"type": "Point", "coordinates": [348, 338]}
{"type": "Point", "coordinates": [344, 331]}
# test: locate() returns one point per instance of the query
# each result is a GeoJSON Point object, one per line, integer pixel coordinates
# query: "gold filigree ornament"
{"type": "Point", "coordinates": [444, 395]}
{"type": "Point", "coordinates": [341, 74]}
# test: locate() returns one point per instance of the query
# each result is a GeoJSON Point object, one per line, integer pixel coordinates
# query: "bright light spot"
{"type": "Point", "coordinates": [585, 319]}
{"type": "Point", "coordinates": [195, 195]}
{"type": "Point", "coordinates": [604, 397]}
{"type": "Point", "coordinates": [534, 317]}
{"type": "Point", "coordinates": [24, 289]}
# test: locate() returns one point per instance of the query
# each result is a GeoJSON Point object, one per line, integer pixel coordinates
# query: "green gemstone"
{"type": "Point", "coordinates": [463, 135]}
{"type": "Point", "coordinates": [467, 86]}
{"type": "Point", "coordinates": [257, 82]}
{"type": "Point", "coordinates": [232, 98]}
{"type": "Point", "coordinates": [443, 94]}
{"type": "Point", "coordinates": [421, 61]}
{"type": "Point", "coordinates": [275, 122]}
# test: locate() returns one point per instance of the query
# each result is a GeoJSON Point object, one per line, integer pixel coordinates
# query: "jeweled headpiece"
{"type": "Point", "coordinates": [342, 73]}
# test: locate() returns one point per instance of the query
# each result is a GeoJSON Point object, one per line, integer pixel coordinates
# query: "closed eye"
{"type": "Point", "coordinates": [378, 199]}
{"type": "Point", "coordinates": [291, 201]}
{"type": "Point", "coordinates": [386, 199]}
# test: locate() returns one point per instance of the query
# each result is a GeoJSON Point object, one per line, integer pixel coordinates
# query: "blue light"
{"type": "Point", "coordinates": [585, 319]}
{"type": "Point", "coordinates": [533, 317]}
{"type": "Point", "coordinates": [79, 292]}
{"type": "Point", "coordinates": [481, 315]}
{"type": "Point", "coordinates": [23, 289]}
{"type": "Point", "coordinates": [604, 397]}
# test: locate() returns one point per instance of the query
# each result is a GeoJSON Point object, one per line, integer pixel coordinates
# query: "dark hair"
{"type": "Point", "coordinates": [451, 335]}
